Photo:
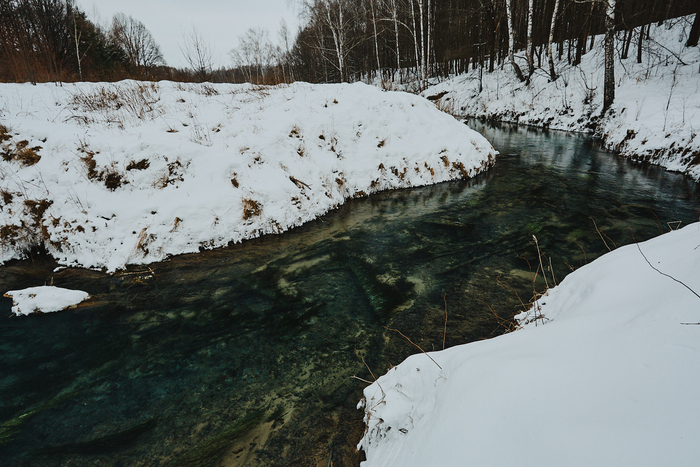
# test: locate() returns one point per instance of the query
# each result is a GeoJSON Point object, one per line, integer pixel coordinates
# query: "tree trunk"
{"type": "Point", "coordinates": [695, 30]}
{"type": "Point", "coordinates": [511, 40]}
{"type": "Point", "coordinates": [529, 52]}
{"type": "Point", "coordinates": [338, 40]}
{"type": "Point", "coordinates": [580, 45]}
{"type": "Point", "coordinates": [609, 80]}
{"type": "Point", "coordinates": [422, 42]}
{"type": "Point", "coordinates": [552, 73]}
{"type": "Point", "coordinates": [639, 44]}
{"type": "Point", "coordinates": [395, 15]}
{"type": "Point", "coordinates": [626, 41]}
{"type": "Point", "coordinates": [429, 38]}
{"type": "Point", "coordinates": [415, 33]}
{"type": "Point", "coordinates": [376, 41]}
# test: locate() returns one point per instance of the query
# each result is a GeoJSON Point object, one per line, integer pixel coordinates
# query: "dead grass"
{"type": "Point", "coordinates": [19, 151]}
{"type": "Point", "coordinates": [175, 173]}
{"type": "Point", "coordinates": [143, 164]}
{"type": "Point", "coordinates": [110, 176]}
{"type": "Point", "coordinates": [251, 208]}
{"type": "Point", "coordinates": [116, 104]}
{"type": "Point", "coordinates": [7, 197]}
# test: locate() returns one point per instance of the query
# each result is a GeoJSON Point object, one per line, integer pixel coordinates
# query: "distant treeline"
{"type": "Point", "coordinates": [344, 39]}
{"type": "Point", "coordinates": [341, 40]}
{"type": "Point", "coordinates": [52, 40]}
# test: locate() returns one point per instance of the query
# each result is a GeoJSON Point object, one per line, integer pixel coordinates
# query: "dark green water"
{"type": "Point", "coordinates": [245, 355]}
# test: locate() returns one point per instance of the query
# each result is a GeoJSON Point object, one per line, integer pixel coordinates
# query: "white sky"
{"type": "Point", "coordinates": [220, 22]}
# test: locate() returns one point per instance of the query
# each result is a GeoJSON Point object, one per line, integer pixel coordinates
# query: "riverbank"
{"type": "Point", "coordinates": [601, 376]}
{"type": "Point", "coordinates": [104, 175]}
{"type": "Point", "coordinates": [655, 116]}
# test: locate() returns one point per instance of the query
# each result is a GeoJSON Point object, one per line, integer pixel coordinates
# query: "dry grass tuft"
{"type": "Point", "coordinates": [7, 197]}
{"type": "Point", "coordinates": [110, 176]}
{"type": "Point", "coordinates": [143, 164]}
{"type": "Point", "coordinates": [19, 151]}
{"type": "Point", "coordinates": [175, 173]}
{"type": "Point", "coordinates": [116, 103]}
{"type": "Point", "coordinates": [251, 208]}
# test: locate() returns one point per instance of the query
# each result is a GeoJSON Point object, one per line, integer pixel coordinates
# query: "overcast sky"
{"type": "Point", "coordinates": [220, 22]}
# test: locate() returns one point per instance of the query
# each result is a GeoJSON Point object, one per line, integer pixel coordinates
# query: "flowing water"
{"type": "Point", "coordinates": [247, 355]}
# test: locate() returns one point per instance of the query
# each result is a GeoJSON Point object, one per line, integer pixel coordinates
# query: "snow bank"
{"type": "Point", "coordinates": [611, 379]}
{"type": "Point", "coordinates": [655, 116]}
{"type": "Point", "coordinates": [45, 299]}
{"type": "Point", "coordinates": [103, 175]}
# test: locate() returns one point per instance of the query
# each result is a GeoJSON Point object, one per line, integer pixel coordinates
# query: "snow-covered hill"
{"type": "Point", "coordinates": [609, 379]}
{"type": "Point", "coordinates": [655, 116]}
{"type": "Point", "coordinates": [103, 175]}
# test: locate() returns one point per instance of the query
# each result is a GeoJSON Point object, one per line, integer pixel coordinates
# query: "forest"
{"type": "Point", "coordinates": [340, 40]}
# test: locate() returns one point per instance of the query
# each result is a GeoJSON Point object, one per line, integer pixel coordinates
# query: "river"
{"type": "Point", "coordinates": [248, 355]}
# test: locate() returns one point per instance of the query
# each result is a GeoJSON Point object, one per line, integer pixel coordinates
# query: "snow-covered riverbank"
{"type": "Point", "coordinates": [655, 116]}
{"type": "Point", "coordinates": [104, 175]}
{"type": "Point", "coordinates": [609, 378]}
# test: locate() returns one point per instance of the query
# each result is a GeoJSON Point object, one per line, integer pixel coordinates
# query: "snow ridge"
{"type": "Point", "coordinates": [105, 175]}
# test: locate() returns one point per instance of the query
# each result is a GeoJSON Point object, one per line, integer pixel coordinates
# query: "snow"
{"type": "Point", "coordinates": [608, 377]}
{"type": "Point", "coordinates": [44, 299]}
{"type": "Point", "coordinates": [133, 172]}
{"type": "Point", "coordinates": [655, 116]}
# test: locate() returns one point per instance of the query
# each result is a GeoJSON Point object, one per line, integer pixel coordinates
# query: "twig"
{"type": "Point", "coordinates": [370, 372]}
{"type": "Point", "coordinates": [552, 271]}
{"type": "Point", "coordinates": [658, 222]}
{"type": "Point", "coordinates": [409, 340]}
{"type": "Point", "coordinates": [444, 332]}
{"type": "Point", "coordinates": [540, 258]}
{"type": "Point", "coordinates": [660, 272]}
{"type": "Point", "coordinates": [585, 259]}
{"type": "Point", "coordinates": [601, 235]}
{"type": "Point", "coordinates": [498, 279]}
{"type": "Point", "coordinates": [363, 380]}
{"type": "Point", "coordinates": [678, 225]}
{"type": "Point", "coordinates": [500, 321]}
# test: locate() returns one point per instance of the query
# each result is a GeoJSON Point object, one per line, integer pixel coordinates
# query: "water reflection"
{"type": "Point", "coordinates": [246, 354]}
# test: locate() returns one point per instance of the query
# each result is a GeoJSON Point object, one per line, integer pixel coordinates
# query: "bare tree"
{"type": "Point", "coordinates": [255, 54]}
{"type": "Point", "coordinates": [198, 54]}
{"type": "Point", "coordinates": [137, 42]}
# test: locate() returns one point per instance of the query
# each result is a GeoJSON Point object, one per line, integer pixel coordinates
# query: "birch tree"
{"type": "Point", "coordinates": [530, 49]}
{"type": "Point", "coordinates": [511, 40]}
{"type": "Point", "coordinates": [609, 79]}
{"type": "Point", "coordinates": [395, 20]}
{"type": "Point", "coordinates": [550, 58]}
